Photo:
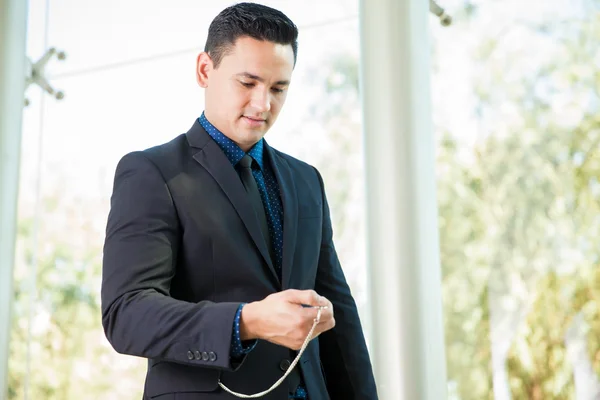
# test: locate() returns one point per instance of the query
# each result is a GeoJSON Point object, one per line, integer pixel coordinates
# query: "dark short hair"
{"type": "Point", "coordinates": [249, 20]}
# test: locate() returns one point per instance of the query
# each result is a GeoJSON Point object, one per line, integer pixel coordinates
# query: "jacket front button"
{"type": "Point", "coordinates": [284, 365]}
{"type": "Point", "coordinates": [190, 355]}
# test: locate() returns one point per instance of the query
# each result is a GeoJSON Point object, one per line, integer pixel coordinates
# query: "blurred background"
{"type": "Point", "coordinates": [515, 90]}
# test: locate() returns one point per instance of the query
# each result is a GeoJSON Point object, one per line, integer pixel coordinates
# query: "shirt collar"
{"type": "Point", "coordinates": [230, 148]}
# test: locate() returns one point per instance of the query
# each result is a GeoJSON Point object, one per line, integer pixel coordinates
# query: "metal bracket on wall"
{"type": "Point", "coordinates": [434, 7]}
{"type": "Point", "coordinates": [35, 73]}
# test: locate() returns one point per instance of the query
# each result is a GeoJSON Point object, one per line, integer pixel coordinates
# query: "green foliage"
{"type": "Point", "coordinates": [68, 355]}
{"type": "Point", "coordinates": [527, 208]}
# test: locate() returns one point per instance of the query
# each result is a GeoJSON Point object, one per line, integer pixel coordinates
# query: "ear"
{"type": "Point", "coordinates": [204, 65]}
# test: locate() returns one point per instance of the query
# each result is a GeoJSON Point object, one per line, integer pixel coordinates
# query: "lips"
{"type": "Point", "coordinates": [254, 122]}
{"type": "Point", "coordinates": [255, 119]}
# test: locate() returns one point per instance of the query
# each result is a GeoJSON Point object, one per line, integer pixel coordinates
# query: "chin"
{"type": "Point", "coordinates": [255, 137]}
{"type": "Point", "coordinates": [256, 133]}
{"type": "Point", "coordinates": [246, 139]}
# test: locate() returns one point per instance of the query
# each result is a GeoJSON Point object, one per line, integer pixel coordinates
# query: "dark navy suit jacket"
{"type": "Point", "coordinates": [184, 248]}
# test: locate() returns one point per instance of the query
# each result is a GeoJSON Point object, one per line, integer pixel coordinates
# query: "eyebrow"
{"type": "Point", "coordinates": [258, 78]}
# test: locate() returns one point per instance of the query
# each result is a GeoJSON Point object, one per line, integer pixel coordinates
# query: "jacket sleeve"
{"type": "Point", "coordinates": [140, 259]}
{"type": "Point", "coordinates": [343, 349]}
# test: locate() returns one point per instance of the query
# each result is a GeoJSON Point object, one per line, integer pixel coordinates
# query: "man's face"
{"type": "Point", "coordinates": [245, 94]}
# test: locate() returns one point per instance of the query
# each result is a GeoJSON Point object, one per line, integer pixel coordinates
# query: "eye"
{"type": "Point", "coordinates": [246, 84]}
{"type": "Point", "coordinates": [277, 90]}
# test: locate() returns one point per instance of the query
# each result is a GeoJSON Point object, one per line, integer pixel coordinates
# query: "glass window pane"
{"type": "Point", "coordinates": [515, 88]}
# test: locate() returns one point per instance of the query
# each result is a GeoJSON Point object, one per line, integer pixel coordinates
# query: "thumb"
{"type": "Point", "coordinates": [304, 297]}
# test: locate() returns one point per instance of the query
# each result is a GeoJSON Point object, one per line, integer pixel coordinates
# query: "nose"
{"type": "Point", "coordinates": [261, 100]}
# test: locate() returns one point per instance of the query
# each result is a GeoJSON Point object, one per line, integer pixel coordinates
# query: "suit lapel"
{"type": "Point", "coordinates": [287, 190]}
{"type": "Point", "coordinates": [212, 158]}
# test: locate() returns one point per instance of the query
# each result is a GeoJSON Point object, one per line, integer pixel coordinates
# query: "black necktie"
{"type": "Point", "coordinates": [245, 167]}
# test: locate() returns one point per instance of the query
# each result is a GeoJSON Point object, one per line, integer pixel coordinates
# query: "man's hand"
{"type": "Point", "coordinates": [281, 318]}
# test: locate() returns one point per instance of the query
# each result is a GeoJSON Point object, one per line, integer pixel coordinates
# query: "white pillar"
{"type": "Point", "coordinates": [13, 30]}
{"type": "Point", "coordinates": [404, 266]}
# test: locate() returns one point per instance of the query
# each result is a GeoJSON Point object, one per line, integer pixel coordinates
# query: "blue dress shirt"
{"type": "Point", "coordinates": [269, 193]}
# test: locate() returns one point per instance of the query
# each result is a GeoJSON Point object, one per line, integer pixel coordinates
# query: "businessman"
{"type": "Point", "coordinates": [219, 250]}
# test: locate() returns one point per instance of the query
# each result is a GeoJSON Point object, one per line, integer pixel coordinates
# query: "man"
{"type": "Point", "coordinates": [219, 250]}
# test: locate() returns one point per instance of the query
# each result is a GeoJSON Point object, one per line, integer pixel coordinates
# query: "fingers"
{"type": "Point", "coordinates": [326, 317]}
{"type": "Point", "coordinates": [292, 315]}
{"type": "Point", "coordinates": [326, 313]}
{"type": "Point", "coordinates": [310, 300]}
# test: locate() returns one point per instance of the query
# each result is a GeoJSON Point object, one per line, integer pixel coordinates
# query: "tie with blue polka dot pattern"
{"type": "Point", "coordinates": [245, 167]}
